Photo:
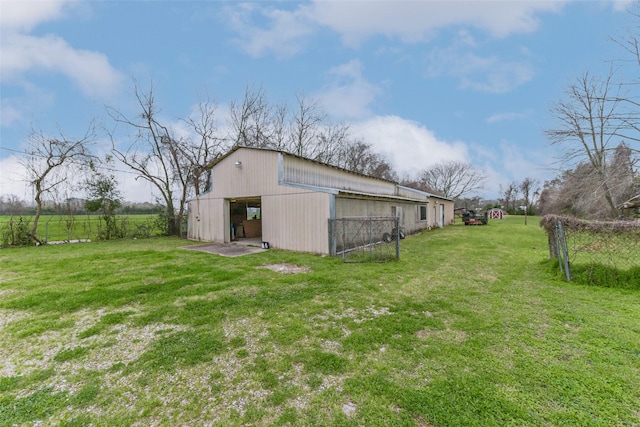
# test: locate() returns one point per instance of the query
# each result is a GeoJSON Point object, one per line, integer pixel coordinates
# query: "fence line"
{"type": "Point", "coordinates": [595, 252]}
{"type": "Point", "coordinates": [62, 228]}
{"type": "Point", "coordinates": [365, 239]}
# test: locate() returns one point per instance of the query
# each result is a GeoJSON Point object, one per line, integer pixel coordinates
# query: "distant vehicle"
{"type": "Point", "coordinates": [475, 218]}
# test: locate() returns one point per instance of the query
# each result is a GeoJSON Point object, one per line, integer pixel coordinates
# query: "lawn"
{"type": "Point", "coordinates": [470, 327]}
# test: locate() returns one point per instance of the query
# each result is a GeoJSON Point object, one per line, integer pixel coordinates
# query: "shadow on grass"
{"type": "Point", "coordinates": [603, 275]}
{"type": "Point", "coordinates": [600, 275]}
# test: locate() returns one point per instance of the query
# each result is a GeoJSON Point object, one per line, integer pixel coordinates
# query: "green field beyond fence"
{"type": "Point", "coordinates": [64, 228]}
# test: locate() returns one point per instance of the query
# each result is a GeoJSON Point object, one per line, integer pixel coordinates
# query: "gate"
{"type": "Point", "coordinates": [365, 239]}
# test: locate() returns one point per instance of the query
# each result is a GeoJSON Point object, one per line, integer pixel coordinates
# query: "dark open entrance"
{"type": "Point", "coordinates": [246, 218]}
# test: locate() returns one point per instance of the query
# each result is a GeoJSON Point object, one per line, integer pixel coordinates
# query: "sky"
{"type": "Point", "coordinates": [421, 81]}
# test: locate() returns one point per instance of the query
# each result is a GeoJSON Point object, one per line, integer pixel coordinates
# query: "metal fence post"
{"type": "Point", "coordinates": [397, 225]}
{"type": "Point", "coordinates": [565, 252]}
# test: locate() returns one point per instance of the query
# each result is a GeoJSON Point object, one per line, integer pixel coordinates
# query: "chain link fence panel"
{"type": "Point", "coordinates": [365, 239]}
{"type": "Point", "coordinates": [595, 252]}
{"type": "Point", "coordinates": [70, 228]}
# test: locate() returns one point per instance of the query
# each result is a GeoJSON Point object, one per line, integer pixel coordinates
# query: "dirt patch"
{"type": "Point", "coordinates": [286, 268]}
{"type": "Point", "coordinates": [448, 335]}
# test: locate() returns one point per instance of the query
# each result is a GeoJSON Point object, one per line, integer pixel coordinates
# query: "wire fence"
{"type": "Point", "coordinates": [365, 239]}
{"type": "Point", "coordinates": [78, 228]}
{"type": "Point", "coordinates": [595, 252]}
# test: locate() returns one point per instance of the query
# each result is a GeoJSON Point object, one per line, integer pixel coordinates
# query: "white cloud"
{"type": "Point", "coordinates": [283, 35]}
{"type": "Point", "coordinates": [91, 71]}
{"type": "Point", "coordinates": [483, 74]}
{"type": "Point", "coordinates": [21, 15]}
{"type": "Point", "coordinates": [349, 94]}
{"type": "Point", "coordinates": [282, 32]}
{"type": "Point", "coordinates": [13, 181]}
{"type": "Point", "coordinates": [416, 21]}
{"type": "Point", "coordinates": [12, 178]}
{"type": "Point", "coordinates": [507, 162]}
{"type": "Point", "coordinates": [8, 113]}
{"type": "Point", "coordinates": [409, 146]}
{"type": "Point", "coordinates": [22, 52]}
{"type": "Point", "coordinates": [622, 5]}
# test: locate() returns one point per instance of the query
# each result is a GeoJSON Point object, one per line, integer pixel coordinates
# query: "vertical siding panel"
{"type": "Point", "coordinates": [297, 221]}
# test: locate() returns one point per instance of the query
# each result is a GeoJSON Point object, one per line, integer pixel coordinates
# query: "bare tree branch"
{"type": "Point", "coordinates": [453, 179]}
{"type": "Point", "coordinates": [47, 156]}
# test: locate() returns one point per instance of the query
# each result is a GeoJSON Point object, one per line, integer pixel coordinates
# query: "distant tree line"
{"type": "Point", "coordinates": [11, 205]}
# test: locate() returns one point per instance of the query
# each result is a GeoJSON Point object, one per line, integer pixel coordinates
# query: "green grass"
{"type": "Point", "coordinates": [53, 228]}
{"type": "Point", "coordinates": [472, 326]}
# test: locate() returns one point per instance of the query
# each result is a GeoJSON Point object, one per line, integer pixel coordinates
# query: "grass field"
{"type": "Point", "coordinates": [471, 327]}
{"type": "Point", "coordinates": [52, 228]}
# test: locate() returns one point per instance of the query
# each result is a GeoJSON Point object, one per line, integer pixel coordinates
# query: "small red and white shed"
{"type": "Point", "coordinates": [496, 213]}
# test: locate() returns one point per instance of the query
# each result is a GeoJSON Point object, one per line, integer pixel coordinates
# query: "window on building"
{"type": "Point", "coordinates": [423, 212]}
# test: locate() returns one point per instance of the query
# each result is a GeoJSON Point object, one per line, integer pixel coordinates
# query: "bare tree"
{"type": "Point", "coordinates": [588, 126]}
{"type": "Point", "coordinates": [358, 156]}
{"type": "Point", "coordinates": [630, 115]}
{"type": "Point", "coordinates": [333, 142]}
{"type": "Point", "coordinates": [509, 196]}
{"type": "Point", "coordinates": [305, 127]}
{"type": "Point", "coordinates": [155, 156]}
{"type": "Point", "coordinates": [205, 148]}
{"type": "Point", "coordinates": [580, 191]}
{"type": "Point", "coordinates": [251, 120]}
{"type": "Point", "coordinates": [47, 161]}
{"type": "Point", "coordinates": [528, 188]}
{"type": "Point", "coordinates": [280, 134]}
{"type": "Point", "coordinates": [454, 179]}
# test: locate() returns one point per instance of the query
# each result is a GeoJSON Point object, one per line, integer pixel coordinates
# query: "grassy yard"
{"type": "Point", "coordinates": [470, 327]}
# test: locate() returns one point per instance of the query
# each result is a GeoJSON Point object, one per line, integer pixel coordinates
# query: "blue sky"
{"type": "Point", "coordinates": [422, 81]}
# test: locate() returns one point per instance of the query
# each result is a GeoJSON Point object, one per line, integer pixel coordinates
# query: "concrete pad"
{"type": "Point", "coordinates": [226, 249]}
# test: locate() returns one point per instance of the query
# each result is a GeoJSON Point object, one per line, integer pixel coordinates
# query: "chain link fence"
{"type": "Point", "coordinates": [595, 252]}
{"type": "Point", "coordinates": [365, 239]}
{"type": "Point", "coordinates": [77, 228]}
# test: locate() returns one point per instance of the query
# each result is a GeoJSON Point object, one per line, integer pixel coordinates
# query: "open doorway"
{"type": "Point", "coordinates": [245, 217]}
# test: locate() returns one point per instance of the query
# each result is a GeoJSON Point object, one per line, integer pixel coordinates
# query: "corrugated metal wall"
{"type": "Point", "coordinates": [296, 170]}
{"type": "Point", "coordinates": [411, 222]}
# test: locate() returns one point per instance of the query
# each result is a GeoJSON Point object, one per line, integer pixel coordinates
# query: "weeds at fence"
{"type": "Point", "coordinates": [17, 233]}
{"type": "Point", "coordinates": [15, 230]}
{"type": "Point", "coordinates": [365, 239]}
{"type": "Point", "coordinates": [595, 252]}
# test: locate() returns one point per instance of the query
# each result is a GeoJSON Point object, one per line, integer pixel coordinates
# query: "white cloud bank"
{"type": "Point", "coordinates": [416, 21]}
{"type": "Point", "coordinates": [357, 21]}
{"type": "Point", "coordinates": [408, 146]}
{"type": "Point", "coordinates": [348, 94]}
{"type": "Point", "coordinates": [22, 52]}
{"type": "Point", "coordinates": [14, 181]}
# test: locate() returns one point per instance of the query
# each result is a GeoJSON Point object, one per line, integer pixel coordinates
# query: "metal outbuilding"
{"type": "Point", "coordinates": [286, 201]}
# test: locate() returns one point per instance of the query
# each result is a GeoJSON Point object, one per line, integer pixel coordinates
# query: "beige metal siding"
{"type": "Point", "coordinates": [346, 207]}
{"type": "Point", "coordinates": [256, 174]}
{"type": "Point", "coordinates": [292, 218]}
{"type": "Point", "coordinates": [300, 171]}
{"type": "Point", "coordinates": [448, 211]}
{"type": "Point", "coordinates": [297, 221]}
{"type": "Point", "coordinates": [206, 216]}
